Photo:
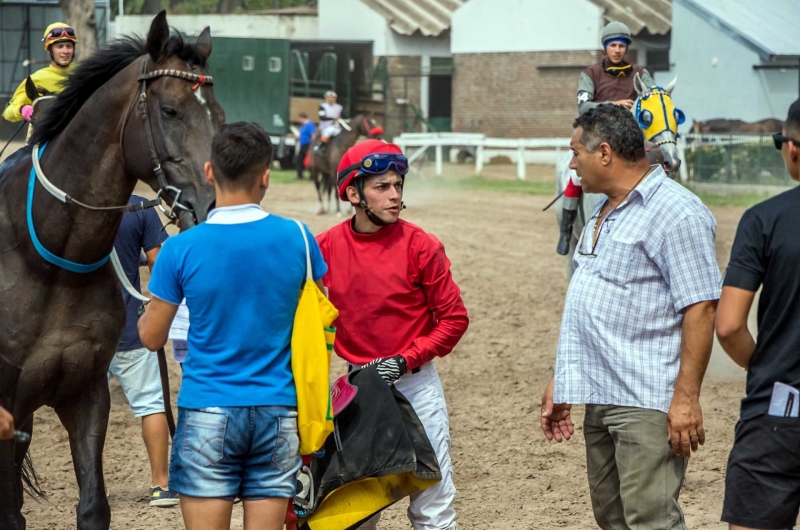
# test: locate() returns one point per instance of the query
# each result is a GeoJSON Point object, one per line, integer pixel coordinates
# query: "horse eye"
{"type": "Point", "coordinates": [172, 113]}
{"type": "Point", "coordinates": [646, 118]}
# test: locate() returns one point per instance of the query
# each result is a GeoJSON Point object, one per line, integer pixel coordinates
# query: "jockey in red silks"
{"type": "Point", "coordinates": [608, 81]}
{"type": "Point", "coordinates": [399, 307]}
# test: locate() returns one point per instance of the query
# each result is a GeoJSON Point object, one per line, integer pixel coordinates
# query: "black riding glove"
{"type": "Point", "coordinates": [390, 368]}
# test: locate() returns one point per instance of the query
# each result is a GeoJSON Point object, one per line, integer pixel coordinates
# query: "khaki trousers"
{"type": "Point", "coordinates": [634, 478]}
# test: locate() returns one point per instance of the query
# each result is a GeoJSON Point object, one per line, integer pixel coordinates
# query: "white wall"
{"type": "Point", "coordinates": [244, 26]}
{"type": "Point", "coordinates": [353, 20]}
{"type": "Point", "coordinates": [716, 77]}
{"type": "Point", "coordinates": [488, 26]}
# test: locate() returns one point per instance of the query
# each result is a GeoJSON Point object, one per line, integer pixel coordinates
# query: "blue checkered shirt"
{"type": "Point", "coordinates": [620, 341]}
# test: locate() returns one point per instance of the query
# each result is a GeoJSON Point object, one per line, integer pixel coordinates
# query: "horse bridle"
{"type": "Point", "coordinates": [144, 77]}
{"type": "Point", "coordinates": [141, 102]}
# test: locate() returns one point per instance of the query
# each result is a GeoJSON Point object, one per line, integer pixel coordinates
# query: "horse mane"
{"type": "Point", "coordinates": [96, 71]}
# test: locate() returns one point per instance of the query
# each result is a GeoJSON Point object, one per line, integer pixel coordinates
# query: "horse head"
{"type": "Point", "coordinates": [174, 118]}
{"type": "Point", "coordinates": [659, 118]}
{"type": "Point", "coordinates": [365, 125]}
{"type": "Point", "coordinates": [41, 99]}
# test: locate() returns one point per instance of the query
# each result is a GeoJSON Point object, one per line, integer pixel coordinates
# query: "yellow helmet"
{"type": "Point", "coordinates": [58, 32]}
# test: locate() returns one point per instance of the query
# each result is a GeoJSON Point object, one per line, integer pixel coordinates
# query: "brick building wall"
{"type": "Point", "coordinates": [509, 95]}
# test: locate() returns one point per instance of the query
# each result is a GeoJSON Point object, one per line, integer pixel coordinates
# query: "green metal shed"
{"type": "Point", "coordinates": [251, 81]}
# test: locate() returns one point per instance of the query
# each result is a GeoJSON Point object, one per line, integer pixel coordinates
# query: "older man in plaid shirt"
{"type": "Point", "coordinates": [637, 328]}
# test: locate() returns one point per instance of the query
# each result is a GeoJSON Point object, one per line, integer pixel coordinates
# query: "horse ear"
{"type": "Point", "coordinates": [203, 43]}
{"type": "Point", "coordinates": [671, 85]}
{"type": "Point", "coordinates": [30, 89]}
{"type": "Point", "coordinates": [158, 37]}
{"type": "Point", "coordinates": [638, 84]}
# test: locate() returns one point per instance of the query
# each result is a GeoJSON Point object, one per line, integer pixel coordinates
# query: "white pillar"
{"type": "Point", "coordinates": [479, 160]}
{"type": "Point", "coordinates": [521, 161]}
{"type": "Point", "coordinates": [424, 87]}
{"type": "Point", "coordinates": [438, 159]}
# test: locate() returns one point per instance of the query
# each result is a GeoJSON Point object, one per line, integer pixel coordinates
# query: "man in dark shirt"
{"type": "Point", "coordinates": [306, 136]}
{"type": "Point", "coordinates": [134, 366]}
{"type": "Point", "coordinates": [762, 484]}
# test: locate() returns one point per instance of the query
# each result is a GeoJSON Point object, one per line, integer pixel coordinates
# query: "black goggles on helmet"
{"type": "Point", "coordinates": [377, 164]}
{"type": "Point", "coordinates": [57, 33]}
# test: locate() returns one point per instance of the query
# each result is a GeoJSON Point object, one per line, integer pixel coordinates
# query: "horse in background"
{"type": "Point", "coordinates": [767, 126]}
{"type": "Point", "coordinates": [659, 119]}
{"type": "Point", "coordinates": [135, 110]}
{"type": "Point", "coordinates": [327, 162]}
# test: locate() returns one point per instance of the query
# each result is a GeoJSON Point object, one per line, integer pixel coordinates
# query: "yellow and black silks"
{"type": "Point", "coordinates": [312, 345]}
{"type": "Point", "coordinates": [378, 455]}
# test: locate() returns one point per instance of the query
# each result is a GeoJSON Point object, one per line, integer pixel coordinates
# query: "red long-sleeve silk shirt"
{"type": "Point", "coordinates": [394, 292]}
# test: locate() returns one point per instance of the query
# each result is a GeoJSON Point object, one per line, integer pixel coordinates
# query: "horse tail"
{"type": "Point", "coordinates": [30, 479]}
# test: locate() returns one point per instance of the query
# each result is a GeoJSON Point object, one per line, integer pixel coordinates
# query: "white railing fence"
{"type": "Point", "coordinates": [512, 147]}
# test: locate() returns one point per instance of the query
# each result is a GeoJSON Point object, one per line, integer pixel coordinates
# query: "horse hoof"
{"type": "Point", "coordinates": [321, 211]}
{"type": "Point", "coordinates": [338, 214]}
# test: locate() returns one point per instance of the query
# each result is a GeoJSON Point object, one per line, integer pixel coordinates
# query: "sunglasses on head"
{"type": "Point", "coordinates": [778, 138]}
{"type": "Point", "coordinates": [376, 164]}
{"type": "Point", "coordinates": [56, 33]}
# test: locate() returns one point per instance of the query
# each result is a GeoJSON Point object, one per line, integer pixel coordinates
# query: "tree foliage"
{"type": "Point", "coordinates": [204, 7]}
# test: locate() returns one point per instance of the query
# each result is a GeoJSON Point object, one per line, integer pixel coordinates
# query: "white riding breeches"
{"type": "Point", "coordinates": [331, 130]}
{"type": "Point", "coordinates": [432, 508]}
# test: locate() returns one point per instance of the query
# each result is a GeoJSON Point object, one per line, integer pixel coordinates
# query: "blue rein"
{"type": "Point", "coordinates": [80, 268]}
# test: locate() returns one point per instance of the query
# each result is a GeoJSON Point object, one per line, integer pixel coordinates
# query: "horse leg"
{"type": "Point", "coordinates": [10, 496]}
{"type": "Point", "coordinates": [336, 196]}
{"type": "Point", "coordinates": [317, 186]}
{"type": "Point", "coordinates": [23, 469]}
{"type": "Point", "coordinates": [85, 416]}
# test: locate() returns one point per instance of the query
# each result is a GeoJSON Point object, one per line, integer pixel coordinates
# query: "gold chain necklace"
{"type": "Point", "coordinates": [600, 217]}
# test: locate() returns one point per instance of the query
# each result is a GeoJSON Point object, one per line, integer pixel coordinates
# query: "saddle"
{"type": "Point", "coordinates": [377, 454]}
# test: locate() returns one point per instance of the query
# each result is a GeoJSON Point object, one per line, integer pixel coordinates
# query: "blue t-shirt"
{"type": "Point", "coordinates": [139, 231]}
{"type": "Point", "coordinates": [307, 131]}
{"type": "Point", "coordinates": [242, 283]}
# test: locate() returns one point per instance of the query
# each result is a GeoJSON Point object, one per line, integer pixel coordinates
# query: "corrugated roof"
{"type": "Point", "coordinates": [653, 15]}
{"type": "Point", "coordinates": [771, 26]}
{"type": "Point", "coordinates": [429, 17]}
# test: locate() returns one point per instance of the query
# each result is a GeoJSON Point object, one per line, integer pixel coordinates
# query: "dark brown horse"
{"type": "Point", "coordinates": [767, 126]}
{"type": "Point", "coordinates": [327, 162]}
{"type": "Point", "coordinates": [136, 110]}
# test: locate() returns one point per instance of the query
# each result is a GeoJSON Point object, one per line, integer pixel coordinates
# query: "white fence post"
{"type": "Point", "coordinates": [479, 159]}
{"type": "Point", "coordinates": [683, 171]}
{"type": "Point", "coordinates": [438, 159]}
{"type": "Point", "coordinates": [521, 160]}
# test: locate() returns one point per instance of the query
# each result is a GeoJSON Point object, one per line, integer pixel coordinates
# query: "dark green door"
{"type": "Point", "coordinates": [251, 81]}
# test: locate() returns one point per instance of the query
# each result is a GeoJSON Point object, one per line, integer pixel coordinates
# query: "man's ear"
{"type": "Point", "coordinates": [606, 153]}
{"type": "Point", "coordinates": [265, 179]}
{"type": "Point", "coordinates": [209, 173]}
{"type": "Point", "coordinates": [352, 195]}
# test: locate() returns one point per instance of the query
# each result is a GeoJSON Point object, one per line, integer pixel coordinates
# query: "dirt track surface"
{"type": "Point", "coordinates": [508, 476]}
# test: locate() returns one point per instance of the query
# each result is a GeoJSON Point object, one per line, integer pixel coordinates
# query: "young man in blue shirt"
{"type": "Point", "coordinates": [135, 366]}
{"type": "Point", "coordinates": [241, 273]}
{"type": "Point", "coordinates": [307, 131]}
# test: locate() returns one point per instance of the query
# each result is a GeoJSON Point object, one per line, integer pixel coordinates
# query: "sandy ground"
{"type": "Point", "coordinates": [508, 475]}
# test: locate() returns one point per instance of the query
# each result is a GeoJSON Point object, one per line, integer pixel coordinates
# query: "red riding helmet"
{"type": "Point", "coordinates": [372, 157]}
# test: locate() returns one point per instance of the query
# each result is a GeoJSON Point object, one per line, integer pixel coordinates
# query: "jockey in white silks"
{"type": "Point", "coordinates": [329, 114]}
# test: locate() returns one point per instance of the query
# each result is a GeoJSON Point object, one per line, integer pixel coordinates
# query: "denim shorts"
{"type": "Point", "coordinates": [138, 375]}
{"type": "Point", "coordinates": [229, 452]}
